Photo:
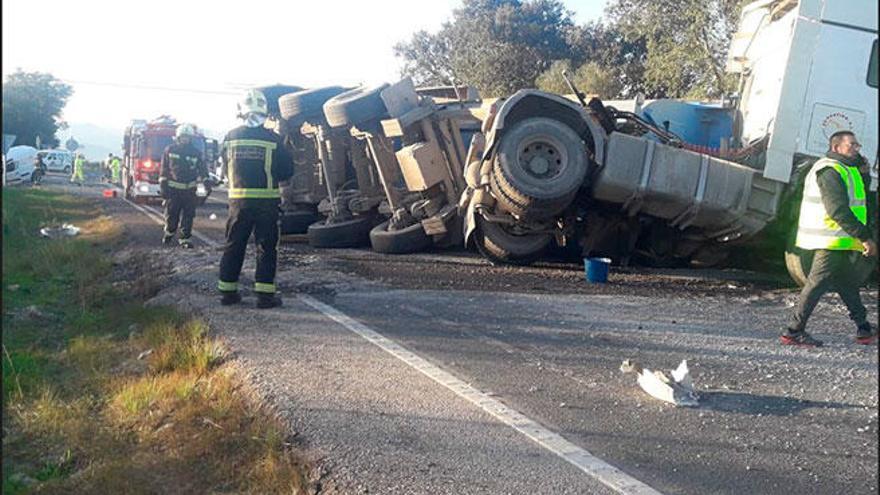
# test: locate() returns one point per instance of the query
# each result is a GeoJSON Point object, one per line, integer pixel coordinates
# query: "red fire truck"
{"type": "Point", "coordinates": [143, 145]}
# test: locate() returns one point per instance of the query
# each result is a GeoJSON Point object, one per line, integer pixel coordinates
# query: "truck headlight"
{"type": "Point", "coordinates": [144, 188]}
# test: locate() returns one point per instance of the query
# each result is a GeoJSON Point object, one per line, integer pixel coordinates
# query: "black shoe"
{"type": "Point", "coordinates": [266, 301]}
{"type": "Point", "coordinates": [185, 243]}
{"type": "Point", "coordinates": [230, 298]}
{"type": "Point", "coordinates": [866, 335]}
{"type": "Point", "coordinates": [166, 239]}
{"type": "Point", "coordinates": [799, 338]}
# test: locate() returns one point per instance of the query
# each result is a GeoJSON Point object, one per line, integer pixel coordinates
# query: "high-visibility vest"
{"type": "Point", "coordinates": [816, 229]}
{"type": "Point", "coordinates": [252, 148]}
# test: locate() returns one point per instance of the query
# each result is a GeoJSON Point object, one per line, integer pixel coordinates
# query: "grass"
{"type": "Point", "coordinates": [81, 412]}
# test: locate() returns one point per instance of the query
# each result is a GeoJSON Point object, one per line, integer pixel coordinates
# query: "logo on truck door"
{"type": "Point", "coordinates": [829, 119]}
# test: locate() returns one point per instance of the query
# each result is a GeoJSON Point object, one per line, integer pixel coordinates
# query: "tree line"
{"type": "Point", "coordinates": [660, 48]}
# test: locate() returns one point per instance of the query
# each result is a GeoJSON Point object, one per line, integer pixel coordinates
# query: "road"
{"type": "Point", "coordinates": [439, 373]}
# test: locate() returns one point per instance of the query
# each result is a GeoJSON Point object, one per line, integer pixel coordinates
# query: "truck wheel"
{"type": "Point", "coordinates": [347, 234]}
{"type": "Point", "coordinates": [499, 245]}
{"type": "Point", "coordinates": [411, 239]}
{"type": "Point", "coordinates": [298, 107]}
{"type": "Point", "coordinates": [540, 165]}
{"type": "Point", "coordinates": [799, 261]}
{"type": "Point", "coordinates": [274, 92]}
{"type": "Point", "coordinates": [67, 169]}
{"type": "Point", "coordinates": [355, 107]}
{"type": "Point", "coordinates": [297, 221]}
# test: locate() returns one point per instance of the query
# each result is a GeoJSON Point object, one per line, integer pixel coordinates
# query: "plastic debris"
{"type": "Point", "coordinates": [65, 230]}
{"type": "Point", "coordinates": [678, 390]}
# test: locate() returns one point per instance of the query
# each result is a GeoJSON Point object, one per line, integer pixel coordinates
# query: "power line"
{"type": "Point", "coordinates": [149, 87]}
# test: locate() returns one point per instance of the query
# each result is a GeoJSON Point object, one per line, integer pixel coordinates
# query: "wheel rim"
{"type": "Point", "coordinates": [542, 157]}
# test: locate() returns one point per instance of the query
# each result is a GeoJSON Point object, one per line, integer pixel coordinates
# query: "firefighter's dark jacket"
{"type": "Point", "coordinates": [182, 165]}
{"type": "Point", "coordinates": [255, 161]}
{"type": "Point", "coordinates": [836, 200]}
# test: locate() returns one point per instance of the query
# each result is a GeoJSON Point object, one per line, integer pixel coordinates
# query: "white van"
{"type": "Point", "coordinates": [57, 160]}
{"type": "Point", "coordinates": [18, 166]}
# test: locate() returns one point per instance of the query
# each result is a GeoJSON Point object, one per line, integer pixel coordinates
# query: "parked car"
{"type": "Point", "coordinates": [18, 167]}
{"type": "Point", "coordinates": [57, 160]}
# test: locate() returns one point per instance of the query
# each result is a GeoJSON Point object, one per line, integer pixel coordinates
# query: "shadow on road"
{"type": "Point", "coordinates": [767, 405]}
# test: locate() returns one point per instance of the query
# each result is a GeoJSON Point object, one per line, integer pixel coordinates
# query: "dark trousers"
{"type": "Point", "coordinates": [831, 271]}
{"type": "Point", "coordinates": [180, 207]}
{"type": "Point", "coordinates": [259, 217]}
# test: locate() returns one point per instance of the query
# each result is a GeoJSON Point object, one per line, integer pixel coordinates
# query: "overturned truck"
{"type": "Point", "coordinates": [623, 183]}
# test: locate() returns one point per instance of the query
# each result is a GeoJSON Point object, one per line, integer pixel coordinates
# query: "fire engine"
{"type": "Point", "coordinates": [143, 145]}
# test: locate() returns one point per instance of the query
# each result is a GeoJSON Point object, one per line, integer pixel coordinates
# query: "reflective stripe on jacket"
{"type": "Point", "coordinates": [255, 161]}
{"type": "Point", "coordinates": [248, 153]}
{"type": "Point", "coordinates": [182, 165]}
{"type": "Point", "coordinates": [816, 228]}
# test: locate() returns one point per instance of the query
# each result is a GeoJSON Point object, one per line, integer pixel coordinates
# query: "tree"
{"type": "Point", "coordinates": [686, 43]}
{"type": "Point", "coordinates": [589, 78]}
{"type": "Point", "coordinates": [613, 53]}
{"type": "Point", "coordinates": [499, 46]}
{"type": "Point", "coordinates": [32, 105]}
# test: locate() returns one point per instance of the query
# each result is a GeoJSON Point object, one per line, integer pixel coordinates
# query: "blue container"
{"type": "Point", "coordinates": [597, 269]}
{"type": "Point", "coordinates": [703, 124]}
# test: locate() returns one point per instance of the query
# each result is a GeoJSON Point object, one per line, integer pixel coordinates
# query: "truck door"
{"type": "Point", "coordinates": [842, 90]}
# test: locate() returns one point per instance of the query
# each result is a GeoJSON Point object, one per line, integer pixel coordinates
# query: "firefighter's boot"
{"type": "Point", "coordinates": [266, 301]}
{"type": "Point", "coordinates": [230, 298]}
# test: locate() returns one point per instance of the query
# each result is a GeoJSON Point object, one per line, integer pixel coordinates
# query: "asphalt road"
{"type": "Point", "coordinates": [545, 347]}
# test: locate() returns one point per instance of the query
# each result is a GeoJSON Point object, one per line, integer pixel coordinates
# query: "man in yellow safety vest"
{"type": "Point", "coordinates": [834, 224]}
{"type": "Point", "coordinates": [79, 170]}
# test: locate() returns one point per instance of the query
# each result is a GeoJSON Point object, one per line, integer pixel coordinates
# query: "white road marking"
{"type": "Point", "coordinates": [156, 216]}
{"type": "Point", "coordinates": [605, 473]}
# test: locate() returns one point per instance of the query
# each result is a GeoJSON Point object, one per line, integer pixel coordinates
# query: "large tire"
{"type": "Point", "coordinates": [347, 234]}
{"type": "Point", "coordinates": [497, 244]}
{"type": "Point", "coordinates": [356, 107]}
{"type": "Point", "coordinates": [298, 221]}
{"type": "Point", "coordinates": [799, 261]}
{"type": "Point", "coordinates": [298, 107]}
{"type": "Point", "coordinates": [539, 167]}
{"type": "Point", "coordinates": [411, 239]}
{"type": "Point", "coordinates": [274, 92]}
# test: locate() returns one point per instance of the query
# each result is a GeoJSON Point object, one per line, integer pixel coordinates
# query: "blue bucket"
{"type": "Point", "coordinates": [597, 269]}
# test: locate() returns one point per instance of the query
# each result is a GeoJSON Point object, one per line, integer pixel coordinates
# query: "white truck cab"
{"type": "Point", "coordinates": [807, 69]}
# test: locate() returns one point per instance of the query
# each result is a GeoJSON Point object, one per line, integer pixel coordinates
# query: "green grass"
{"type": "Point", "coordinates": [77, 400]}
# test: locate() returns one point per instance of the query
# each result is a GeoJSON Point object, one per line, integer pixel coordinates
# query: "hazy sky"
{"type": "Point", "coordinates": [207, 51]}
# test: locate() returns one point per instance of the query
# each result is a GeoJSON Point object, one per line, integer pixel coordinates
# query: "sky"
{"type": "Point", "coordinates": [192, 58]}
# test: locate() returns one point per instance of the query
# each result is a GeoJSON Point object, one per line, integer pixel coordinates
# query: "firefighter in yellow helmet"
{"type": "Point", "coordinates": [180, 171]}
{"type": "Point", "coordinates": [255, 161]}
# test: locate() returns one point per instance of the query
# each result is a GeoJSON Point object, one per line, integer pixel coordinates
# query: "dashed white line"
{"type": "Point", "coordinates": [603, 472]}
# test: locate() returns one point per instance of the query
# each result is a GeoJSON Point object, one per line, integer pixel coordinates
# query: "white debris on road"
{"type": "Point", "coordinates": [679, 390]}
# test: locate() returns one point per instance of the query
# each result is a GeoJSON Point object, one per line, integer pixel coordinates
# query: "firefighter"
{"type": "Point", "coordinates": [115, 170]}
{"type": "Point", "coordinates": [181, 169]}
{"type": "Point", "coordinates": [79, 164]}
{"type": "Point", "coordinates": [255, 161]}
